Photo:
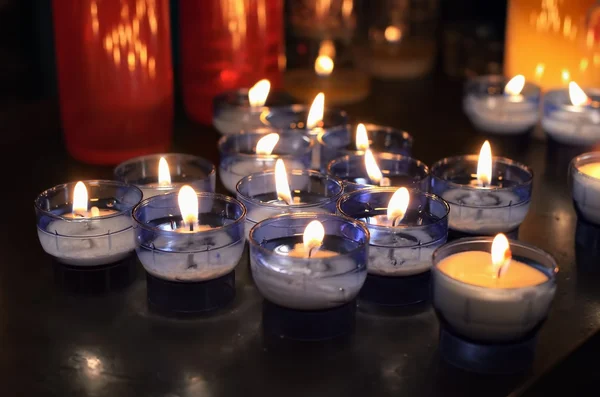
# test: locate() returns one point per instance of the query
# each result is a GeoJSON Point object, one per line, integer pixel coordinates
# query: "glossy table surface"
{"type": "Point", "coordinates": [56, 344]}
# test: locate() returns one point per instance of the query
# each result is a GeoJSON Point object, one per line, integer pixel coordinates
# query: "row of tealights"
{"type": "Point", "coordinates": [319, 239]}
{"type": "Point", "coordinates": [570, 115]}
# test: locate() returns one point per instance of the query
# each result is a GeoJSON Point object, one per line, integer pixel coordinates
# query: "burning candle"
{"type": "Point", "coordinates": [486, 194]}
{"type": "Point", "coordinates": [163, 173]}
{"type": "Point", "coordinates": [406, 226]}
{"type": "Point", "coordinates": [189, 244]}
{"type": "Point", "coordinates": [241, 110]}
{"type": "Point", "coordinates": [309, 270]}
{"type": "Point", "coordinates": [491, 304]}
{"type": "Point", "coordinates": [572, 117]}
{"type": "Point", "coordinates": [499, 107]}
{"type": "Point", "coordinates": [584, 175]}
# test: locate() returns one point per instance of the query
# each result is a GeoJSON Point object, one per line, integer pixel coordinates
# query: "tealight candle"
{"type": "Point", "coordinates": [572, 117]}
{"type": "Point", "coordinates": [163, 173]}
{"type": "Point", "coordinates": [584, 175]}
{"type": "Point", "coordinates": [491, 306]}
{"type": "Point", "coordinates": [86, 227]}
{"type": "Point", "coordinates": [240, 110]}
{"type": "Point", "coordinates": [309, 268]}
{"type": "Point", "coordinates": [487, 195]}
{"type": "Point", "coordinates": [499, 107]}
{"type": "Point", "coordinates": [379, 139]}
{"type": "Point", "coordinates": [406, 226]}
{"type": "Point", "coordinates": [247, 153]}
{"type": "Point", "coordinates": [276, 192]}
{"type": "Point", "coordinates": [189, 244]}
{"type": "Point", "coordinates": [380, 169]}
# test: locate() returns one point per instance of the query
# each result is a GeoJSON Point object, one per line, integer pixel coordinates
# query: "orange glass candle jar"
{"type": "Point", "coordinates": [115, 77]}
{"type": "Point", "coordinates": [226, 45]}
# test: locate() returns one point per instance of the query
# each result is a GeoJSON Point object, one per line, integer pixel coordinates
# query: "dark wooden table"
{"type": "Point", "coordinates": [55, 344]}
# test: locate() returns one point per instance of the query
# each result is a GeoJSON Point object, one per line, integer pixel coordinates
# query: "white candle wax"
{"type": "Point", "coordinates": [586, 191]}
{"type": "Point", "coordinates": [88, 242]}
{"type": "Point", "coordinates": [239, 118]}
{"type": "Point", "coordinates": [231, 175]}
{"type": "Point", "coordinates": [484, 211]}
{"type": "Point", "coordinates": [501, 114]}
{"type": "Point", "coordinates": [579, 126]}
{"type": "Point", "coordinates": [323, 283]}
{"type": "Point", "coordinates": [478, 305]}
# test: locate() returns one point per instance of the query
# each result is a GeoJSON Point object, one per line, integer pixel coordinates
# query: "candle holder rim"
{"type": "Point", "coordinates": [375, 189]}
{"type": "Point", "coordinates": [88, 182]}
{"type": "Point", "coordinates": [87, 236]}
{"type": "Point", "coordinates": [248, 179]}
{"type": "Point", "coordinates": [203, 161]}
{"type": "Point", "coordinates": [475, 157]}
{"type": "Point", "coordinates": [575, 163]}
{"type": "Point", "coordinates": [369, 126]}
{"type": "Point", "coordinates": [498, 78]}
{"type": "Point", "coordinates": [552, 96]}
{"type": "Point", "coordinates": [212, 230]}
{"type": "Point", "coordinates": [226, 137]}
{"type": "Point", "coordinates": [489, 239]}
{"type": "Point", "coordinates": [301, 107]}
{"type": "Point", "coordinates": [224, 98]}
{"type": "Point", "coordinates": [315, 216]}
{"type": "Point", "coordinates": [377, 155]}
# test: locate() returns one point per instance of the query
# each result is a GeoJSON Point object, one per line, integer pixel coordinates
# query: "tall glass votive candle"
{"type": "Point", "coordinates": [499, 207]}
{"type": "Point", "coordinates": [232, 111]}
{"type": "Point", "coordinates": [311, 191]}
{"type": "Point", "coordinates": [308, 295]}
{"type": "Point", "coordinates": [145, 173]}
{"type": "Point", "coordinates": [397, 170]}
{"type": "Point", "coordinates": [584, 177]}
{"type": "Point", "coordinates": [572, 119]}
{"type": "Point", "coordinates": [380, 139]}
{"type": "Point", "coordinates": [497, 105]}
{"type": "Point", "coordinates": [189, 268]}
{"type": "Point", "coordinates": [88, 232]}
{"type": "Point", "coordinates": [399, 252]}
{"type": "Point", "coordinates": [490, 319]}
{"type": "Point", "coordinates": [239, 157]}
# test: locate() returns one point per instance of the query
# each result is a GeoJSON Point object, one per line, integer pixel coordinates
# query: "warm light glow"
{"type": "Point", "coordinates": [362, 139]}
{"type": "Point", "coordinates": [327, 47]}
{"type": "Point", "coordinates": [80, 198]}
{"type": "Point", "coordinates": [372, 168]}
{"type": "Point", "coordinates": [484, 165]}
{"type": "Point", "coordinates": [539, 70]}
{"type": "Point", "coordinates": [392, 34]}
{"type": "Point", "coordinates": [577, 95]}
{"type": "Point", "coordinates": [398, 205]}
{"type": "Point", "coordinates": [164, 174]}
{"type": "Point", "coordinates": [188, 206]}
{"type": "Point", "coordinates": [501, 254]}
{"type": "Point", "coordinates": [323, 65]}
{"type": "Point", "coordinates": [515, 85]}
{"type": "Point", "coordinates": [315, 114]}
{"type": "Point", "coordinates": [257, 95]}
{"type": "Point", "coordinates": [266, 144]}
{"type": "Point", "coordinates": [565, 75]}
{"type": "Point", "coordinates": [282, 185]}
{"type": "Point", "coordinates": [313, 236]}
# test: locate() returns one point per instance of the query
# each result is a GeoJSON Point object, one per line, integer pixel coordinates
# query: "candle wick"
{"type": "Point", "coordinates": [191, 226]}
{"type": "Point", "coordinates": [396, 219]}
{"type": "Point", "coordinates": [310, 251]}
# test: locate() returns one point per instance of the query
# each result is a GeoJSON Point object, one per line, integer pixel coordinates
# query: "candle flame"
{"type": "Point", "coordinates": [282, 185]}
{"type": "Point", "coordinates": [398, 205]}
{"type": "Point", "coordinates": [362, 139]}
{"type": "Point", "coordinates": [315, 114]}
{"type": "Point", "coordinates": [257, 95]}
{"type": "Point", "coordinates": [372, 168]}
{"type": "Point", "coordinates": [323, 65]}
{"type": "Point", "coordinates": [267, 143]}
{"type": "Point", "coordinates": [392, 34]}
{"type": "Point", "coordinates": [313, 236]}
{"type": "Point", "coordinates": [327, 47]}
{"type": "Point", "coordinates": [515, 85]}
{"type": "Point", "coordinates": [501, 255]}
{"type": "Point", "coordinates": [80, 198]}
{"type": "Point", "coordinates": [577, 95]}
{"type": "Point", "coordinates": [188, 205]}
{"type": "Point", "coordinates": [484, 165]}
{"type": "Point", "coordinates": [164, 175]}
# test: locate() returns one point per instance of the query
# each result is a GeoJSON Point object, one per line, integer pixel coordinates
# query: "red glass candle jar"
{"type": "Point", "coordinates": [226, 45]}
{"type": "Point", "coordinates": [115, 77]}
